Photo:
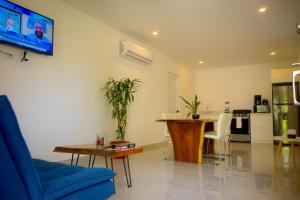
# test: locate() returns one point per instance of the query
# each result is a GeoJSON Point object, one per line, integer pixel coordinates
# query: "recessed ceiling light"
{"type": "Point", "coordinates": [154, 33]}
{"type": "Point", "coordinates": [273, 53]}
{"type": "Point", "coordinates": [200, 62]}
{"type": "Point", "coordinates": [262, 9]}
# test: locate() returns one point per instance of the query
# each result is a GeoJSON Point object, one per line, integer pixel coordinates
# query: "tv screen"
{"type": "Point", "coordinates": [25, 28]}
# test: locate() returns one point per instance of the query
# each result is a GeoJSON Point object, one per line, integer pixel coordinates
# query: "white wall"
{"type": "Point", "coordinates": [57, 99]}
{"type": "Point", "coordinates": [283, 74]}
{"type": "Point", "coordinates": [238, 85]}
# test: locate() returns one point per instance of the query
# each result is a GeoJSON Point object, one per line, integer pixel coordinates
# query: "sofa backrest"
{"type": "Point", "coordinates": [18, 151]}
{"type": "Point", "coordinates": [11, 185]}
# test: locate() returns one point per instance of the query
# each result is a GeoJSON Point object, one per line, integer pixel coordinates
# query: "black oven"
{"type": "Point", "coordinates": [240, 126]}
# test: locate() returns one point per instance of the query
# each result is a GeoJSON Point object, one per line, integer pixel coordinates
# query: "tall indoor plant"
{"type": "Point", "coordinates": [120, 94]}
{"type": "Point", "coordinates": [192, 107]}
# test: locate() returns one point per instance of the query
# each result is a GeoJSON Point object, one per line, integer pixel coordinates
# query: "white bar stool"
{"type": "Point", "coordinates": [282, 139]}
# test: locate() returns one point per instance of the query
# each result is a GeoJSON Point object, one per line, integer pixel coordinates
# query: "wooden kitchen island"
{"type": "Point", "coordinates": [187, 137]}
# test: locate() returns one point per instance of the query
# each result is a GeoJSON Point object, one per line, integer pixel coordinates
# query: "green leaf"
{"type": "Point", "coordinates": [119, 94]}
{"type": "Point", "coordinates": [188, 115]}
{"type": "Point", "coordinates": [192, 106]}
{"type": "Point", "coordinates": [188, 103]}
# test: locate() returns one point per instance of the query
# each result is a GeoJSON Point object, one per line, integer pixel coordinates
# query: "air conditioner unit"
{"type": "Point", "coordinates": [135, 52]}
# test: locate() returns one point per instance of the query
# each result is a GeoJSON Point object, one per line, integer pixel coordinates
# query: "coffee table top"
{"type": "Point", "coordinates": [91, 149]}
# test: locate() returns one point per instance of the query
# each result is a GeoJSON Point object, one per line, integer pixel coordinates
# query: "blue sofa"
{"type": "Point", "coordinates": [24, 178]}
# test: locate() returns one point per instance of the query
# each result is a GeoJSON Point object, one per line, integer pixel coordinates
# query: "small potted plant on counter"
{"type": "Point", "coordinates": [192, 107]}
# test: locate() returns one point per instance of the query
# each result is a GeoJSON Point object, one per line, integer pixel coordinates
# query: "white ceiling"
{"type": "Point", "coordinates": [219, 32]}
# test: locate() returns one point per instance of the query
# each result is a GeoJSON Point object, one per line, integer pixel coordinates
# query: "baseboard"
{"type": "Point", "coordinates": [153, 146]}
{"type": "Point", "coordinates": [82, 157]}
{"type": "Point", "coordinates": [262, 141]}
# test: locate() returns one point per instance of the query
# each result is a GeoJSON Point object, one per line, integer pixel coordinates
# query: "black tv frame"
{"type": "Point", "coordinates": [28, 48]}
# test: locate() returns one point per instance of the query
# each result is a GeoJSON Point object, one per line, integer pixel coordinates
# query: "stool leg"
{"type": "Point", "coordinates": [225, 147]}
{"type": "Point", "coordinates": [207, 145]}
{"type": "Point", "coordinates": [164, 149]}
{"type": "Point", "coordinates": [228, 144]}
{"type": "Point", "coordinates": [229, 147]}
{"type": "Point", "coordinates": [294, 154]}
{"type": "Point", "coordinates": [220, 151]}
{"type": "Point", "coordinates": [278, 153]}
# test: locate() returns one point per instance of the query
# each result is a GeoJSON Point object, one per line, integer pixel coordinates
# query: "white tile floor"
{"type": "Point", "coordinates": [247, 174]}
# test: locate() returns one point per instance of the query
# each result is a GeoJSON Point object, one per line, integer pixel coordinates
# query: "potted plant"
{"type": "Point", "coordinates": [192, 107]}
{"type": "Point", "coordinates": [120, 94]}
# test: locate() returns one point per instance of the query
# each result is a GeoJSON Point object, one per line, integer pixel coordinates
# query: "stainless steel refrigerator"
{"type": "Point", "coordinates": [285, 112]}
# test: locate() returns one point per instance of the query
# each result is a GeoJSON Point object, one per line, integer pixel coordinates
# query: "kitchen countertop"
{"type": "Point", "coordinates": [210, 112]}
{"type": "Point", "coordinates": [269, 113]}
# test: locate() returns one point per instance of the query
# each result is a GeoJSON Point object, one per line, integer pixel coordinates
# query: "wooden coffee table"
{"type": "Point", "coordinates": [105, 151]}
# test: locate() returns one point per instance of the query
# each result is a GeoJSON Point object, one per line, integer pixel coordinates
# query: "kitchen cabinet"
{"type": "Point", "coordinates": [261, 127]}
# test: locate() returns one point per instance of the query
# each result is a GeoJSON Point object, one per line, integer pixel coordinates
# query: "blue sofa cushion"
{"type": "Point", "coordinates": [100, 192]}
{"type": "Point", "coordinates": [11, 185]}
{"type": "Point", "coordinates": [18, 150]}
{"type": "Point", "coordinates": [21, 177]}
{"type": "Point", "coordinates": [60, 180]}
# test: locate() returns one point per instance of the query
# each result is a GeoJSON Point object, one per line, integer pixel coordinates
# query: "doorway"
{"type": "Point", "coordinates": [173, 92]}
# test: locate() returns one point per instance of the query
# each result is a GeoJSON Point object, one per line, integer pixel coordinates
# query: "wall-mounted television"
{"type": "Point", "coordinates": [25, 28]}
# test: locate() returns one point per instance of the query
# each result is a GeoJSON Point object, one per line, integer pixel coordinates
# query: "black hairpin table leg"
{"type": "Point", "coordinates": [93, 161]}
{"type": "Point", "coordinates": [72, 158]}
{"type": "Point", "coordinates": [106, 161]}
{"type": "Point", "coordinates": [90, 159]}
{"type": "Point", "coordinates": [112, 168]}
{"type": "Point", "coordinates": [77, 159]}
{"type": "Point", "coordinates": [128, 176]}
